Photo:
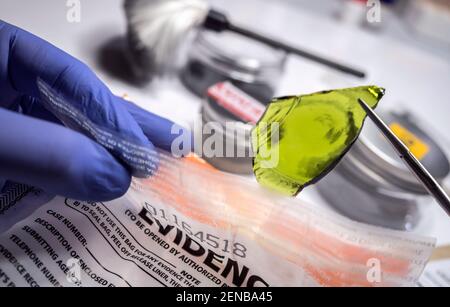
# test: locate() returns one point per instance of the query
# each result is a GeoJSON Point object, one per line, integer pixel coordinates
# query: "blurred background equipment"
{"type": "Point", "coordinates": [430, 18]}
{"type": "Point", "coordinates": [215, 57]}
{"type": "Point", "coordinates": [219, 113]}
{"type": "Point", "coordinates": [156, 31]}
{"type": "Point", "coordinates": [423, 24]}
{"type": "Point", "coordinates": [158, 28]}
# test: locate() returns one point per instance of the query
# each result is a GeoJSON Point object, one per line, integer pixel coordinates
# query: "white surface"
{"type": "Point", "coordinates": [413, 78]}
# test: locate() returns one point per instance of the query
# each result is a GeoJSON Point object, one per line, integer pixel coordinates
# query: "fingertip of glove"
{"type": "Point", "coordinates": [116, 187]}
{"type": "Point", "coordinates": [109, 180]}
{"type": "Point", "coordinates": [93, 174]}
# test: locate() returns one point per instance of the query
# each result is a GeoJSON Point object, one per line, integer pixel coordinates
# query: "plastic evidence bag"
{"type": "Point", "coordinates": [190, 225]}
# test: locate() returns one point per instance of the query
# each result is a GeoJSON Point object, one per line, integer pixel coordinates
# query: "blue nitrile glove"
{"type": "Point", "coordinates": [42, 88]}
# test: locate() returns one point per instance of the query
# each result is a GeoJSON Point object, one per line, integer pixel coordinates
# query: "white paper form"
{"type": "Point", "coordinates": [437, 272]}
{"type": "Point", "coordinates": [140, 241]}
{"type": "Point", "coordinates": [72, 243]}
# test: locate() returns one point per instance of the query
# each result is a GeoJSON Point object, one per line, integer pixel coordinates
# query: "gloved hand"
{"type": "Point", "coordinates": [37, 149]}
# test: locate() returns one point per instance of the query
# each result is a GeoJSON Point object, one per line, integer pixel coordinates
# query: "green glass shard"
{"type": "Point", "coordinates": [302, 138]}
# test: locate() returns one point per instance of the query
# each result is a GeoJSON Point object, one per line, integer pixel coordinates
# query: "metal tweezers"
{"type": "Point", "coordinates": [424, 176]}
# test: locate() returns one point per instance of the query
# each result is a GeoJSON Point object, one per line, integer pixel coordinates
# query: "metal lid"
{"type": "Point", "coordinates": [239, 55]}
{"type": "Point", "coordinates": [382, 163]}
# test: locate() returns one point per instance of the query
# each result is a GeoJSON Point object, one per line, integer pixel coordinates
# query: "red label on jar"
{"type": "Point", "coordinates": [237, 102]}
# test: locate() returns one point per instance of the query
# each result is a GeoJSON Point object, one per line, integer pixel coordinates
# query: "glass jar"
{"type": "Point", "coordinates": [251, 66]}
{"type": "Point", "coordinates": [235, 154]}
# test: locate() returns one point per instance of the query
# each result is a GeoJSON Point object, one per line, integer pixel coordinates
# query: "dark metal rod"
{"type": "Point", "coordinates": [415, 166]}
{"type": "Point", "coordinates": [293, 50]}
